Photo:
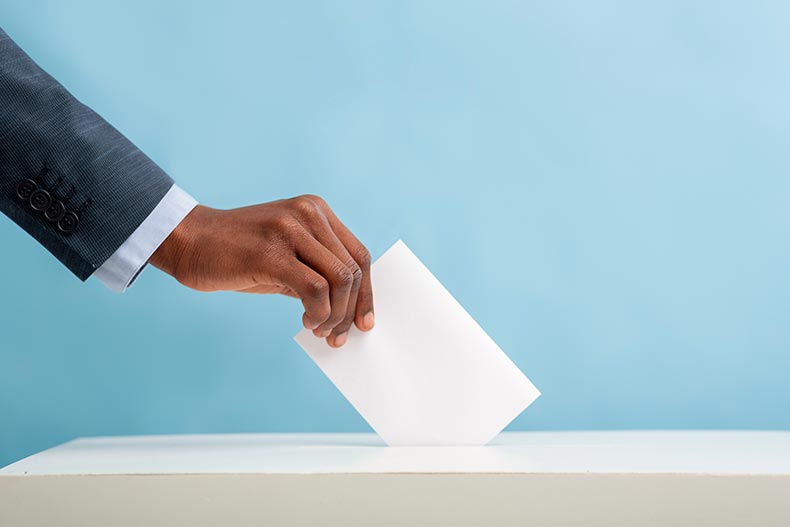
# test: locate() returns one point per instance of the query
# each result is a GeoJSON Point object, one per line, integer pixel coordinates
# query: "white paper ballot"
{"type": "Point", "coordinates": [427, 374]}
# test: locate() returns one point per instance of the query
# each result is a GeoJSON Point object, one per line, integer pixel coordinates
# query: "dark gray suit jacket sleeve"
{"type": "Point", "coordinates": [67, 177]}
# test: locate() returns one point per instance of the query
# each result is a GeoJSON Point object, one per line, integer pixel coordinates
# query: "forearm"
{"type": "Point", "coordinates": [49, 137]}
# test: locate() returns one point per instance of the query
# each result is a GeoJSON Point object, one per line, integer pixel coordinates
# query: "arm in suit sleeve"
{"type": "Point", "coordinates": [69, 178]}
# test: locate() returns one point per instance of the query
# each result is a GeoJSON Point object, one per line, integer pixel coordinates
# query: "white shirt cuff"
{"type": "Point", "coordinates": [121, 269]}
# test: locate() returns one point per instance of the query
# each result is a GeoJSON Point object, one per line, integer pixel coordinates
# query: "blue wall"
{"type": "Point", "coordinates": [605, 186]}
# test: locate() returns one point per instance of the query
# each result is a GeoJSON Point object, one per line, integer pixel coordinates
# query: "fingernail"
{"type": "Point", "coordinates": [369, 321]}
{"type": "Point", "coordinates": [325, 333]}
{"type": "Point", "coordinates": [341, 339]}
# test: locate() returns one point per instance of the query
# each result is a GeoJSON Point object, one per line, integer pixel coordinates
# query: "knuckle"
{"type": "Point", "coordinates": [318, 200]}
{"type": "Point", "coordinates": [283, 224]}
{"type": "Point", "coordinates": [304, 205]}
{"type": "Point", "coordinates": [343, 277]}
{"type": "Point", "coordinates": [316, 288]}
{"type": "Point", "coordinates": [356, 272]}
{"type": "Point", "coordinates": [362, 256]}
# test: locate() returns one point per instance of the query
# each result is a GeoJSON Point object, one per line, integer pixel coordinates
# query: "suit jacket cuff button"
{"type": "Point", "coordinates": [25, 188]}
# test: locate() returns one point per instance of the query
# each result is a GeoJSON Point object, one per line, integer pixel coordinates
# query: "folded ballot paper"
{"type": "Point", "coordinates": [427, 374]}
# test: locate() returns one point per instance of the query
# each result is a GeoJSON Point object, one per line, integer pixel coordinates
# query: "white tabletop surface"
{"type": "Point", "coordinates": [693, 452]}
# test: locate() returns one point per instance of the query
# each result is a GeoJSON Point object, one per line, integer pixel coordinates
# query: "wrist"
{"type": "Point", "coordinates": [169, 255]}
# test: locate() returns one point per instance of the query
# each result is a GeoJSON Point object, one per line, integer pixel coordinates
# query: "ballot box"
{"type": "Point", "coordinates": [656, 478]}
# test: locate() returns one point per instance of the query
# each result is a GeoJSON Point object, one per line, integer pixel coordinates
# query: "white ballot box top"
{"type": "Point", "coordinates": [622, 452]}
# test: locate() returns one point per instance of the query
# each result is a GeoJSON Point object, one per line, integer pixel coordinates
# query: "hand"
{"type": "Point", "coordinates": [296, 247]}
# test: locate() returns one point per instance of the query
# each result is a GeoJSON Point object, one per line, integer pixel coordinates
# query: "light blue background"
{"type": "Point", "coordinates": [605, 186]}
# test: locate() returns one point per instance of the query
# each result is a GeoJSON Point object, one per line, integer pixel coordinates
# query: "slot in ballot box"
{"type": "Point", "coordinates": [522, 478]}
